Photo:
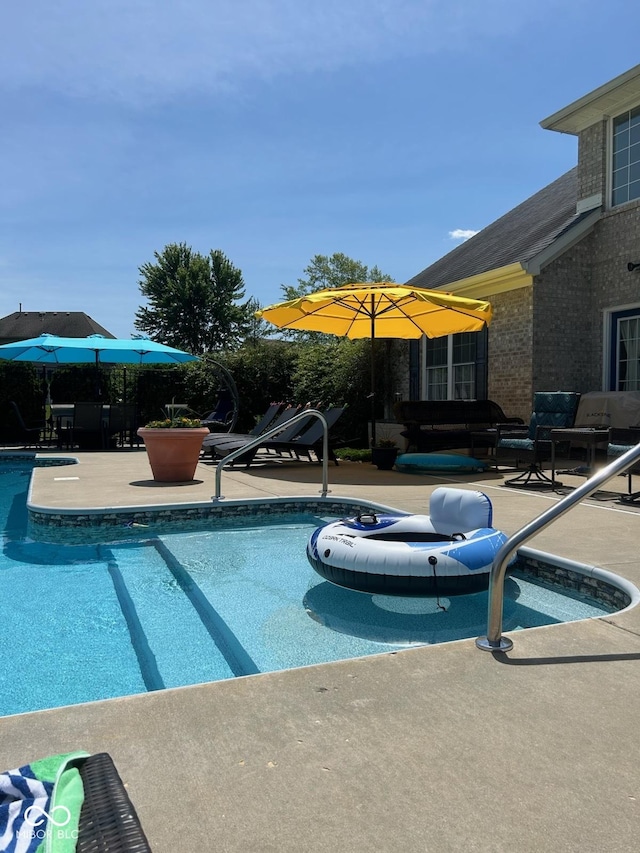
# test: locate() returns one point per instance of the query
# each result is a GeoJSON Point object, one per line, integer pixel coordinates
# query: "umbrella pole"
{"type": "Point", "coordinates": [373, 376]}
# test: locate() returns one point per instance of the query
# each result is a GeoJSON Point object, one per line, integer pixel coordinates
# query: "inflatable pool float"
{"type": "Point", "coordinates": [448, 552]}
{"type": "Point", "coordinates": [415, 463]}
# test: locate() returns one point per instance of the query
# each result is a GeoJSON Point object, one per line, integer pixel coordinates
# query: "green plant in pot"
{"type": "Point", "coordinates": [175, 423]}
{"type": "Point", "coordinates": [173, 446]}
{"type": "Point", "coordinates": [384, 453]}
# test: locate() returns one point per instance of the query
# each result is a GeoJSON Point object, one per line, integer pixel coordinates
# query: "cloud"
{"type": "Point", "coordinates": [461, 234]}
{"type": "Point", "coordinates": [145, 50]}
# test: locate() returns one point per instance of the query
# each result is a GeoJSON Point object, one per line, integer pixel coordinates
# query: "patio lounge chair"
{"type": "Point", "coordinates": [309, 439]}
{"type": "Point", "coordinates": [266, 421]}
{"type": "Point", "coordinates": [273, 417]}
{"type": "Point", "coordinates": [298, 438]}
{"type": "Point", "coordinates": [32, 434]}
{"type": "Point", "coordinates": [287, 432]}
{"type": "Point", "coordinates": [532, 444]}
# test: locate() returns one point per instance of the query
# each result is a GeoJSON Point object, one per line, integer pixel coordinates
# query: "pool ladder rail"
{"type": "Point", "coordinates": [256, 442]}
{"type": "Point", "coordinates": [494, 641]}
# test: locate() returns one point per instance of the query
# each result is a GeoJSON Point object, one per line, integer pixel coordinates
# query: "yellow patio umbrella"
{"type": "Point", "coordinates": [380, 310]}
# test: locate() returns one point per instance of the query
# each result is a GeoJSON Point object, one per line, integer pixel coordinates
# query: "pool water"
{"type": "Point", "coordinates": [98, 621]}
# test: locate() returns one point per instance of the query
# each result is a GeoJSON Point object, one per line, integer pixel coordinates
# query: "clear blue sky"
{"type": "Point", "coordinates": [275, 130]}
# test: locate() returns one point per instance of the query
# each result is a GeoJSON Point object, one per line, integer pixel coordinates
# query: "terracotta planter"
{"type": "Point", "coordinates": [173, 453]}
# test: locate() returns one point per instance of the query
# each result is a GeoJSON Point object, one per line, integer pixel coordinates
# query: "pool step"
{"type": "Point", "coordinates": [226, 641]}
{"type": "Point", "coordinates": [172, 644]}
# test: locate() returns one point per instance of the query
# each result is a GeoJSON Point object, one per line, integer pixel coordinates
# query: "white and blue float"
{"type": "Point", "coordinates": [448, 552]}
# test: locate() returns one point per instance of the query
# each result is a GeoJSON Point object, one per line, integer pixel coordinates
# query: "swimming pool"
{"type": "Point", "coordinates": [163, 610]}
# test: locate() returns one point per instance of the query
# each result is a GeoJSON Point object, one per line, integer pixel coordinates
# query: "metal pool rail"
{"type": "Point", "coordinates": [260, 439]}
{"type": "Point", "coordinates": [494, 641]}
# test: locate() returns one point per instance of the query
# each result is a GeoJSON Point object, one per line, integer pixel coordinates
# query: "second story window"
{"type": "Point", "coordinates": [625, 184]}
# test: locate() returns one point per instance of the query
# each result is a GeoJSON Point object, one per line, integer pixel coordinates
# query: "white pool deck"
{"type": "Point", "coordinates": [443, 748]}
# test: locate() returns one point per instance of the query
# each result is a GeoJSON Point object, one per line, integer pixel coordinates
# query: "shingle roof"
{"type": "Point", "coordinates": [29, 324]}
{"type": "Point", "coordinates": [516, 237]}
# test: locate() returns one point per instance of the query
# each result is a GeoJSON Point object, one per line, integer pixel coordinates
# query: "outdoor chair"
{"type": "Point", "coordinates": [88, 430]}
{"type": "Point", "coordinates": [287, 432]}
{"type": "Point", "coordinates": [273, 417]}
{"type": "Point", "coordinates": [532, 444]}
{"type": "Point", "coordinates": [621, 440]}
{"type": "Point", "coordinates": [310, 439]}
{"type": "Point", "coordinates": [223, 417]}
{"type": "Point", "coordinates": [31, 433]}
{"type": "Point", "coordinates": [297, 439]}
{"type": "Point", "coordinates": [108, 819]}
{"type": "Point", "coordinates": [122, 425]}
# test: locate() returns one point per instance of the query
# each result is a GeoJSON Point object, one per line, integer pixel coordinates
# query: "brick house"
{"type": "Point", "coordinates": [557, 272]}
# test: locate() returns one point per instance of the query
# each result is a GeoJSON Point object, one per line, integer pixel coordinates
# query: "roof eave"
{"type": "Point", "coordinates": [521, 274]}
{"type": "Point", "coordinates": [562, 243]}
{"type": "Point", "coordinates": [612, 98]}
{"type": "Point", "coordinates": [491, 282]}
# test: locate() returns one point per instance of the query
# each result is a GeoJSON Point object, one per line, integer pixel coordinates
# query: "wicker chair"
{"type": "Point", "coordinates": [108, 820]}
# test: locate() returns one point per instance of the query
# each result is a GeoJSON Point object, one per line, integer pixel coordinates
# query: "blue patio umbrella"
{"type": "Point", "coordinates": [52, 349]}
{"type": "Point", "coordinates": [94, 349]}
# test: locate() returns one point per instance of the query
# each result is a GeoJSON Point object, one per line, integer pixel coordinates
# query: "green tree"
{"type": "Point", "coordinates": [257, 328]}
{"type": "Point", "coordinates": [324, 271]}
{"type": "Point", "coordinates": [193, 300]}
{"type": "Point", "coordinates": [328, 272]}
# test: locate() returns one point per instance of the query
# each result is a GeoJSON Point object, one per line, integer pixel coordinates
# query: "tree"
{"type": "Point", "coordinates": [324, 271]}
{"type": "Point", "coordinates": [193, 300]}
{"type": "Point", "coordinates": [257, 328]}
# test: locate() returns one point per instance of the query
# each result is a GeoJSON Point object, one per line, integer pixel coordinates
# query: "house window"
{"type": "Point", "coordinates": [454, 366]}
{"type": "Point", "coordinates": [625, 181]}
{"type": "Point", "coordinates": [625, 350]}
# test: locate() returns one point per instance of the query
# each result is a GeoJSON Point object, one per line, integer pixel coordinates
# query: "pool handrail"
{"type": "Point", "coordinates": [494, 641]}
{"type": "Point", "coordinates": [256, 442]}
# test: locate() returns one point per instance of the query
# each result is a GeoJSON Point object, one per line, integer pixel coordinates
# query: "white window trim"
{"type": "Point", "coordinates": [449, 365]}
{"type": "Point", "coordinates": [609, 159]}
{"type": "Point", "coordinates": [607, 323]}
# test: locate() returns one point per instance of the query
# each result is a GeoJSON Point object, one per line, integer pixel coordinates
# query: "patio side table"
{"type": "Point", "coordinates": [590, 436]}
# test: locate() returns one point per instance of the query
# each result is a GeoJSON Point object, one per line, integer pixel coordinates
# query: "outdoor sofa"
{"type": "Point", "coordinates": [432, 425]}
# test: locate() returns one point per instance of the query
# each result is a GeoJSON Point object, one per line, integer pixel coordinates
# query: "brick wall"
{"type": "Point", "coordinates": [592, 161]}
{"type": "Point", "coordinates": [510, 342]}
{"type": "Point", "coordinates": [567, 333]}
{"type": "Point", "coordinates": [572, 298]}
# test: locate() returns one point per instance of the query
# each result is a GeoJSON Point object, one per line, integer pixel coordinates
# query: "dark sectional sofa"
{"type": "Point", "coordinates": [449, 424]}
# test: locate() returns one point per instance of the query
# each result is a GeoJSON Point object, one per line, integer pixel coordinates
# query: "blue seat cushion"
{"type": "Point", "coordinates": [416, 462]}
{"type": "Point", "coordinates": [517, 443]}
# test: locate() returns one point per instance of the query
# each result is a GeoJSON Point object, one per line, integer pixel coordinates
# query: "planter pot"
{"type": "Point", "coordinates": [384, 457]}
{"type": "Point", "coordinates": [173, 453]}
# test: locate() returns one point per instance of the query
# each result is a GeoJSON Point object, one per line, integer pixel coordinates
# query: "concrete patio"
{"type": "Point", "coordinates": [442, 748]}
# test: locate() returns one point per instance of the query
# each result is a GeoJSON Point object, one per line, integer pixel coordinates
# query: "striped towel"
{"type": "Point", "coordinates": [40, 805]}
